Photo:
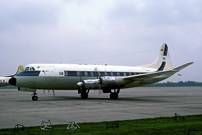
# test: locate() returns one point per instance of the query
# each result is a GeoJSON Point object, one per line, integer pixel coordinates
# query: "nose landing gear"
{"type": "Point", "coordinates": [34, 96]}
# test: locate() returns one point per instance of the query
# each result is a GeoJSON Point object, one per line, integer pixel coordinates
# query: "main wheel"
{"type": "Point", "coordinates": [84, 95]}
{"type": "Point", "coordinates": [34, 98]}
{"type": "Point", "coordinates": [114, 95]}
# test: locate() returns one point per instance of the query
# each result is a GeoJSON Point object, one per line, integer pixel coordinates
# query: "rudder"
{"type": "Point", "coordinates": [163, 61]}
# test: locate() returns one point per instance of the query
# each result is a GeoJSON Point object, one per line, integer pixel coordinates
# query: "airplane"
{"type": "Point", "coordinates": [109, 79]}
{"type": "Point", "coordinates": [4, 80]}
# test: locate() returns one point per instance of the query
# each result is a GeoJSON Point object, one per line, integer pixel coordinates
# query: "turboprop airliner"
{"type": "Point", "coordinates": [109, 79]}
{"type": "Point", "coordinates": [4, 80]}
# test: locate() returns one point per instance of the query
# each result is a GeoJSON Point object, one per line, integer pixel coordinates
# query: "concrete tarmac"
{"type": "Point", "coordinates": [135, 103]}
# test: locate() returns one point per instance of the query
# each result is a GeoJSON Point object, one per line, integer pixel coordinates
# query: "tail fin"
{"type": "Point", "coordinates": [163, 61]}
{"type": "Point", "coordinates": [20, 69]}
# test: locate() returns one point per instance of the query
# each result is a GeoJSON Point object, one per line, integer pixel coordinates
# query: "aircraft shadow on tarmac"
{"type": "Point", "coordinates": [154, 99]}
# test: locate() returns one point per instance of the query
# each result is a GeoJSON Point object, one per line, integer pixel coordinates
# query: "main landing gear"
{"type": "Point", "coordinates": [84, 93]}
{"type": "Point", "coordinates": [115, 94]}
{"type": "Point", "coordinates": [34, 96]}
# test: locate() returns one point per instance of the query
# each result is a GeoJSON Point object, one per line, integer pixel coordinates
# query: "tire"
{"type": "Point", "coordinates": [34, 98]}
{"type": "Point", "coordinates": [114, 95]}
{"type": "Point", "coordinates": [84, 96]}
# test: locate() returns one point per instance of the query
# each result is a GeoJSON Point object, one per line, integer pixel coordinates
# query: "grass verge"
{"type": "Point", "coordinates": [154, 126]}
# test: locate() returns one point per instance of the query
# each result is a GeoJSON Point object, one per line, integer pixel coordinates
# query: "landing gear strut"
{"type": "Point", "coordinates": [34, 96]}
{"type": "Point", "coordinates": [115, 94]}
{"type": "Point", "coordinates": [84, 94]}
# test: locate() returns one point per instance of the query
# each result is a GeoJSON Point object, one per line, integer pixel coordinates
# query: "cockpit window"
{"type": "Point", "coordinates": [30, 69]}
{"type": "Point", "coordinates": [27, 69]}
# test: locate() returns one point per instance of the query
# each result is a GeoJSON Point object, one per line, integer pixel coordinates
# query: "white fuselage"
{"type": "Point", "coordinates": [66, 76]}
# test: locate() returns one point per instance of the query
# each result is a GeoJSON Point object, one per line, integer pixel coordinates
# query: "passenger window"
{"type": "Point", "coordinates": [111, 73]}
{"type": "Point", "coordinates": [85, 73]}
{"type": "Point", "coordinates": [91, 73]}
{"type": "Point", "coordinates": [78, 73]}
{"type": "Point", "coordinates": [66, 73]}
{"type": "Point", "coordinates": [121, 74]}
{"type": "Point", "coordinates": [101, 73]}
{"type": "Point", "coordinates": [118, 74]}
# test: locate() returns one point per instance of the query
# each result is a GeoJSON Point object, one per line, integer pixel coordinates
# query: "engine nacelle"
{"type": "Point", "coordinates": [89, 84]}
{"type": "Point", "coordinates": [113, 82]}
{"type": "Point", "coordinates": [103, 83]}
{"type": "Point", "coordinates": [107, 81]}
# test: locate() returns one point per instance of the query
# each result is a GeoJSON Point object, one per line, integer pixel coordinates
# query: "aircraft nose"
{"type": "Point", "coordinates": [12, 81]}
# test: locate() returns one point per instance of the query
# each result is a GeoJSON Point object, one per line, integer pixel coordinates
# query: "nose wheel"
{"type": "Point", "coordinates": [34, 96]}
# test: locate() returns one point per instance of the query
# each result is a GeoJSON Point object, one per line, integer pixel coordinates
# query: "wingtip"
{"type": "Point", "coordinates": [183, 66]}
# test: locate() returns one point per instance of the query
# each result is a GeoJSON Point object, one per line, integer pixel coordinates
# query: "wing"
{"type": "Point", "coordinates": [160, 75]}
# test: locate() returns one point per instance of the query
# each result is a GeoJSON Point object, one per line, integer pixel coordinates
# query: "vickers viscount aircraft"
{"type": "Point", "coordinates": [4, 80]}
{"type": "Point", "coordinates": [109, 79]}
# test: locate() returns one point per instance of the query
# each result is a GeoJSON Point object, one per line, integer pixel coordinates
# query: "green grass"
{"type": "Point", "coordinates": [155, 126]}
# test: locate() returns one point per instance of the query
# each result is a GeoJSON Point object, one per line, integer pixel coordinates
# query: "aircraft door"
{"type": "Point", "coordinates": [49, 71]}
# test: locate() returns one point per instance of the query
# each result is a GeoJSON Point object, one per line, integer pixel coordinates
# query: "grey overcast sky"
{"type": "Point", "coordinates": [64, 31]}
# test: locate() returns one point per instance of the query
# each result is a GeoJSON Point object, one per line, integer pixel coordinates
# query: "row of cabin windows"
{"type": "Point", "coordinates": [91, 74]}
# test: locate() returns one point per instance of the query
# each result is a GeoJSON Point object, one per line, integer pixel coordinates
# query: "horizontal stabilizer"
{"type": "Point", "coordinates": [151, 75]}
{"type": "Point", "coordinates": [158, 74]}
{"type": "Point", "coordinates": [183, 66]}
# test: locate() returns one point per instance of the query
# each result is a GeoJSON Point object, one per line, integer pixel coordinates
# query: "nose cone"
{"type": "Point", "coordinates": [12, 81]}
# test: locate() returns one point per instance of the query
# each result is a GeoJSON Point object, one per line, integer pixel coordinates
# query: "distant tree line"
{"type": "Point", "coordinates": [176, 84]}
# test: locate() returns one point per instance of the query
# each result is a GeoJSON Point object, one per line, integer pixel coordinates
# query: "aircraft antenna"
{"type": "Point", "coordinates": [110, 56]}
